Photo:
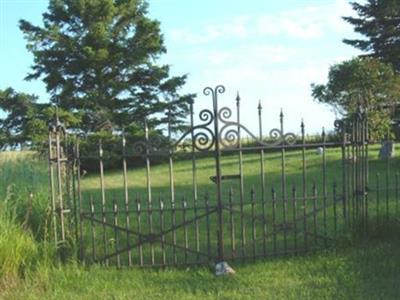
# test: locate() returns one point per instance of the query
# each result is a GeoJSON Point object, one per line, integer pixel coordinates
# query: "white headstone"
{"type": "Point", "coordinates": [319, 150]}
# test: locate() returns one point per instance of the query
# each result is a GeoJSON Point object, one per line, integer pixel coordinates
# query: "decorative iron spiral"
{"type": "Point", "coordinates": [206, 116]}
{"type": "Point", "coordinates": [229, 137]}
{"type": "Point", "coordinates": [275, 134]}
{"type": "Point", "coordinates": [287, 138]}
{"type": "Point", "coordinates": [219, 89]}
{"type": "Point", "coordinates": [224, 114]}
{"type": "Point", "coordinates": [203, 140]}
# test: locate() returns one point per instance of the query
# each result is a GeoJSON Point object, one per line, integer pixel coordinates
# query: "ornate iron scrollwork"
{"type": "Point", "coordinates": [228, 135]}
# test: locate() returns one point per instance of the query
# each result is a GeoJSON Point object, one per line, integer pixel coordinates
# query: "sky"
{"type": "Point", "coordinates": [268, 51]}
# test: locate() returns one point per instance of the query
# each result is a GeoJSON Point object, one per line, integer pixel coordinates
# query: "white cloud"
{"type": "Point", "coordinates": [237, 27]}
{"type": "Point", "coordinates": [245, 54]}
{"type": "Point", "coordinates": [272, 57]}
{"type": "Point", "coordinates": [309, 22]}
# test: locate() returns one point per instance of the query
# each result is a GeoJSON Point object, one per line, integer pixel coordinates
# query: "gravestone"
{"type": "Point", "coordinates": [319, 151]}
{"type": "Point", "coordinates": [387, 150]}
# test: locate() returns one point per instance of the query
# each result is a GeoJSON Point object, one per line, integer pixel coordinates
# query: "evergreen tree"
{"type": "Point", "coordinates": [379, 22]}
{"type": "Point", "coordinates": [98, 59]}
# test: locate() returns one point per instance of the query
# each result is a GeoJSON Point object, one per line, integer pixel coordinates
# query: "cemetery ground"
{"type": "Point", "coordinates": [358, 266]}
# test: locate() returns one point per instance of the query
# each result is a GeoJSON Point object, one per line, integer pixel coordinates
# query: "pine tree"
{"type": "Point", "coordinates": [98, 58]}
{"type": "Point", "coordinates": [379, 22]}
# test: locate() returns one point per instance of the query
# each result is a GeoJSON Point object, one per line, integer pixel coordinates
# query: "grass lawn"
{"type": "Point", "coordinates": [369, 270]}
{"type": "Point", "coordinates": [362, 266]}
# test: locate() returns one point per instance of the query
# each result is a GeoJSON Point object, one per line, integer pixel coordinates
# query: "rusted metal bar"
{"type": "Point", "coordinates": [92, 214]}
{"type": "Point", "coordinates": [126, 196]}
{"type": "Point", "coordinates": [232, 223]}
{"type": "Point", "coordinates": [148, 183]}
{"type": "Point", "coordinates": [294, 208]}
{"type": "Point", "coordinates": [241, 183]}
{"type": "Point", "coordinates": [283, 184]}
{"type": "Point", "coordinates": [314, 193]}
{"type": "Point", "coordinates": [163, 253]}
{"type": "Point", "coordinates": [103, 199]}
{"type": "Point", "coordinates": [139, 229]}
{"type": "Point", "coordinates": [304, 184]}
{"type": "Point", "coordinates": [324, 191]}
{"type": "Point", "coordinates": [262, 176]}
{"type": "Point", "coordinates": [116, 236]}
{"type": "Point", "coordinates": [274, 219]}
{"type": "Point", "coordinates": [52, 188]}
{"type": "Point", "coordinates": [253, 224]}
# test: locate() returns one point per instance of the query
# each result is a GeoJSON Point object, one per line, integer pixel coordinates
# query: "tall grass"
{"type": "Point", "coordinates": [24, 215]}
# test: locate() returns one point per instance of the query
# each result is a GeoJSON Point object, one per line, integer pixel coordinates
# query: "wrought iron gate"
{"type": "Point", "coordinates": [299, 203]}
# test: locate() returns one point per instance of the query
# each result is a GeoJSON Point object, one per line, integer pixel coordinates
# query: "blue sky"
{"type": "Point", "coordinates": [267, 50]}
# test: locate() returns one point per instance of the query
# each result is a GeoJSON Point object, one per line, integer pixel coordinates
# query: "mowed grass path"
{"type": "Point", "coordinates": [365, 267]}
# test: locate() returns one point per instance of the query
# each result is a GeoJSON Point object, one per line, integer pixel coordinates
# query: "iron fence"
{"type": "Point", "coordinates": [303, 196]}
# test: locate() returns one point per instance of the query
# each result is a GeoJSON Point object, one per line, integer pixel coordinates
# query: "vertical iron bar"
{"type": "Point", "coordinates": [173, 215]}
{"type": "Point", "coordinates": [148, 181]}
{"type": "Point", "coordinates": [75, 197]}
{"type": "Point", "coordinates": [194, 180]}
{"type": "Point", "coordinates": [139, 228]}
{"type": "Point", "coordinates": [362, 169]}
{"type": "Point", "coordinates": [161, 206]}
{"type": "Point", "coordinates": [232, 223]}
{"type": "Point", "coordinates": [150, 231]}
{"type": "Point", "coordinates": [116, 237]}
{"type": "Point", "coordinates": [207, 204]}
{"type": "Point", "coordinates": [349, 167]}
{"type": "Point", "coordinates": [241, 185]}
{"type": "Point", "coordinates": [52, 188]}
{"type": "Point", "coordinates": [59, 181]}
{"type": "Point", "coordinates": [66, 169]}
{"type": "Point", "coordinates": [253, 231]}
{"type": "Point", "coordinates": [274, 219]}
{"type": "Point", "coordinates": [366, 168]}
{"type": "Point", "coordinates": [294, 207]}
{"type": "Point", "coordinates": [185, 230]}
{"type": "Point", "coordinates": [103, 199]}
{"type": "Point", "coordinates": [262, 175]}
{"type": "Point", "coordinates": [220, 234]}
{"type": "Point", "coordinates": [314, 199]}
{"type": "Point", "coordinates": [126, 198]}
{"type": "Point", "coordinates": [170, 162]}
{"type": "Point", "coordinates": [92, 227]}
{"type": "Point", "coordinates": [334, 209]}
{"type": "Point", "coordinates": [344, 172]}
{"type": "Point", "coordinates": [387, 178]}
{"type": "Point", "coordinates": [283, 185]}
{"type": "Point", "coordinates": [397, 193]}
{"type": "Point", "coordinates": [357, 164]}
{"type": "Point", "coordinates": [197, 230]}
{"type": "Point", "coordinates": [304, 183]}
{"type": "Point", "coordinates": [377, 198]}
{"type": "Point", "coordinates": [324, 192]}
{"type": "Point", "coordinates": [353, 168]}
{"type": "Point", "coordinates": [79, 192]}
